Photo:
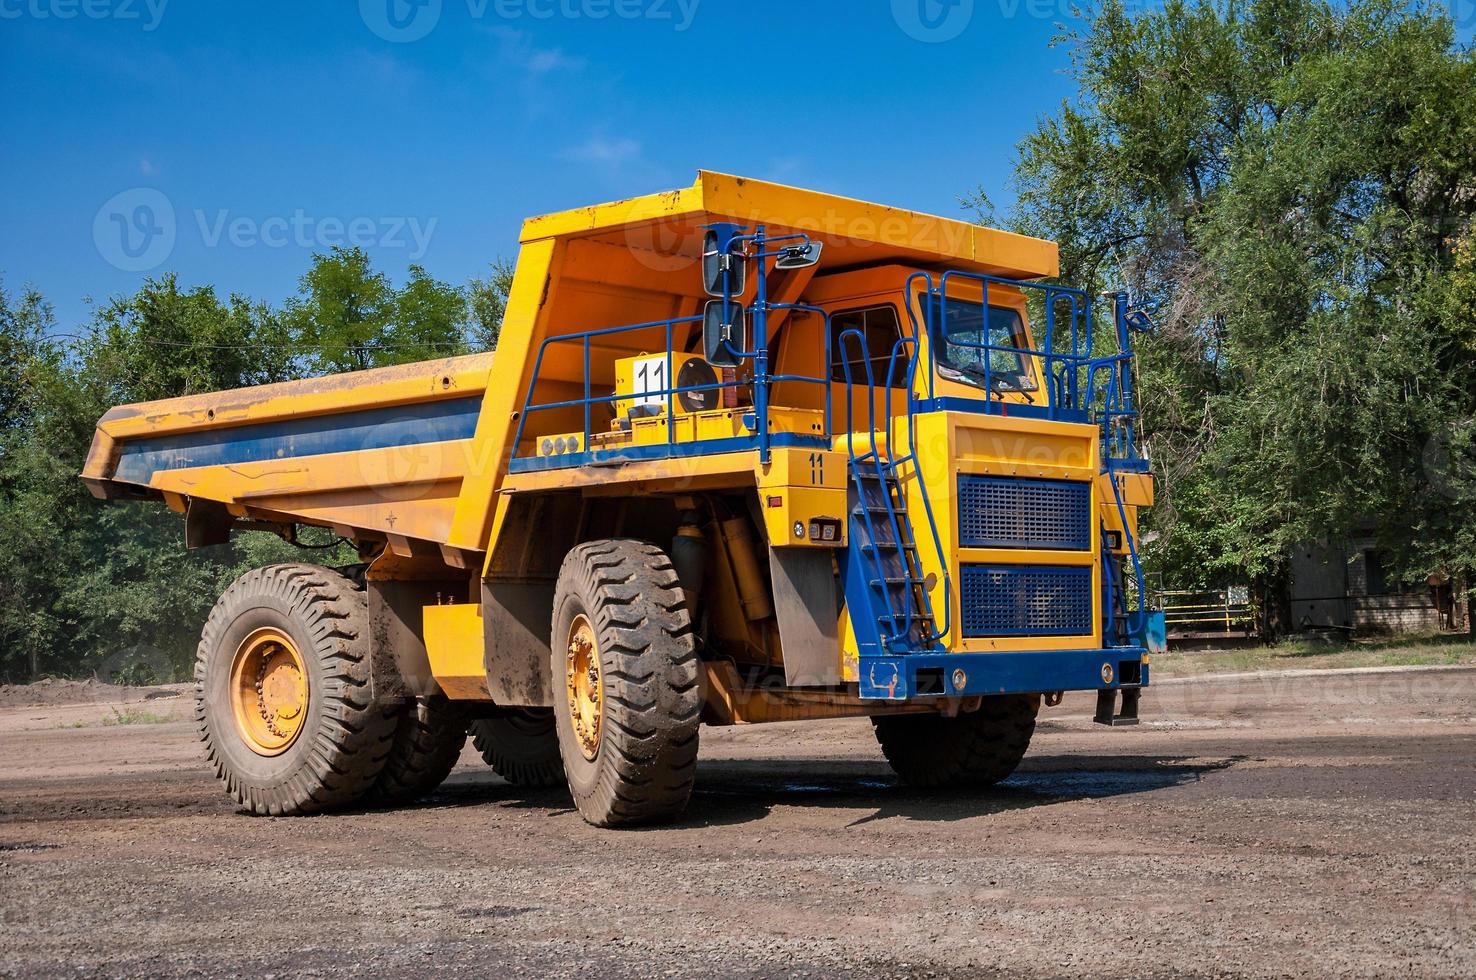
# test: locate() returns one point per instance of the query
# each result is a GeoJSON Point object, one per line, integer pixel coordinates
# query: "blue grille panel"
{"type": "Point", "coordinates": [1004, 512]}
{"type": "Point", "coordinates": [1026, 600]}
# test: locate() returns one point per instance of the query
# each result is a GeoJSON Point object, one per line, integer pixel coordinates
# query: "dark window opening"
{"type": "Point", "coordinates": [1374, 580]}
{"type": "Point", "coordinates": [878, 324]}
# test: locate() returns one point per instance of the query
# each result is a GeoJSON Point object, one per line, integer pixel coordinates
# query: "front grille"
{"type": "Point", "coordinates": [1026, 600]}
{"type": "Point", "coordinates": [1004, 512]}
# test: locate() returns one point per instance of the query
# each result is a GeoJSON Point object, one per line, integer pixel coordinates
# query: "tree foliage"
{"type": "Point", "coordinates": [348, 317]}
{"type": "Point", "coordinates": [87, 586]}
{"type": "Point", "coordinates": [488, 301]}
{"type": "Point", "coordinates": [1292, 182]}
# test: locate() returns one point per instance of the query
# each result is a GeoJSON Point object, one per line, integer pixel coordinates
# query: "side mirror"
{"type": "Point", "coordinates": [718, 260]}
{"type": "Point", "coordinates": [800, 256]}
{"type": "Point", "coordinates": [722, 333]}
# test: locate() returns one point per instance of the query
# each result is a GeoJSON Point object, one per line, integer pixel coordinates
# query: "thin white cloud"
{"type": "Point", "coordinates": [517, 47]}
{"type": "Point", "coordinates": [599, 149]}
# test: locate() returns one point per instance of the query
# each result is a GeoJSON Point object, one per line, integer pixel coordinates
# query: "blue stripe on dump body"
{"type": "Point", "coordinates": [375, 428]}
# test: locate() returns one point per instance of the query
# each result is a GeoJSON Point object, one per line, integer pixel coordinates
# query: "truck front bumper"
{"type": "Point", "coordinates": [926, 675]}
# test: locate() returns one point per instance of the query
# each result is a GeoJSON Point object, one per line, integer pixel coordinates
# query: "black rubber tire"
{"type": "Point", "coordinates": [345, 737]}
{"type": "Point", "coordinates": [429, 736]}
{"type": "Point", "coordinates": [521, 746]}
{"type": "Point", "coordinates": [975, 748]}
{"type": "Point", "coordinates": [646, 762]}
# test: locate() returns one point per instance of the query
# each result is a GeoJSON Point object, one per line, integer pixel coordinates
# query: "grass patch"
{"type": "Point", "coordinates": [1401, 651]}
{"type": "Point", "coordinates": [134, 716]}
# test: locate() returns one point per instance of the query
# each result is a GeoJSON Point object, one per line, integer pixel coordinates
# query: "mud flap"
{"type": "Point", "coordinates": [516, 620]}
{"type": "Point", "coordinates": [807, 606]}
{"type": "Point", "coordinates": [1107, 713]}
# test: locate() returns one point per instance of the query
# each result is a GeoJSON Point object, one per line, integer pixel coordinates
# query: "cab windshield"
{"type": "Point", "coordinates": [963, 340]}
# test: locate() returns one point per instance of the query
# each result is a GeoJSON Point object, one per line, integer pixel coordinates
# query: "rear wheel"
{"type": "Point", "coordinates": [282, 694]}
{"type": "Point", "coordinates": [429, 736]}
{"type": "Point", "coordinates": [625, 675]}
{"type": "Point", "coordinates": [521, 746]}
{"type": "Point", "coordinates": [975, 748]}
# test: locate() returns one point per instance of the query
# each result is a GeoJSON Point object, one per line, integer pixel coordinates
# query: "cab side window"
{"type": "Point", "coordinates": [878, 324]}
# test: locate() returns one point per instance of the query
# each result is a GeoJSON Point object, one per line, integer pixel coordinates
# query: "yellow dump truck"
{"type": "Point", "coordinates": [744, 453]}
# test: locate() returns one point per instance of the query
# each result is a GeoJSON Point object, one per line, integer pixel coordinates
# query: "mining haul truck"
{"type": "Point", "coordinates": [744, 453]}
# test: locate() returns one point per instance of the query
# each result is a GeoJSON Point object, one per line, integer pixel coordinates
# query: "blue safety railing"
{"type": "Point", "coordinates": [1074, 379]}
{"type": "Point", "coordinates": [763, 437]}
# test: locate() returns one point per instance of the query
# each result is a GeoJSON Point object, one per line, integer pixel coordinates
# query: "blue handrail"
{"type": "Point", "coordinates": [760, 380]}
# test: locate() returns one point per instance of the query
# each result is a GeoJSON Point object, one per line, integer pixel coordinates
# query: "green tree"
{"type": "Point", "coordinates": [348, 317]}
{"type": "Point", "coordinates": [1288, 181]}
{"type": "Point", "coordinates": [163, 341]}
{"type": "Point", "coordinates": [487, 299]}
{"type": "Point", "coordinates": [27, 360]}
{"type": "Point", "coordinates": [98, 586]}
{"type": "Point", "coordinates": [108, 586]}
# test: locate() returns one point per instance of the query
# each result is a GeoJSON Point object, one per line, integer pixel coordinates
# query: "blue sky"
{"type": "Point", "coordinates": [228, 141]}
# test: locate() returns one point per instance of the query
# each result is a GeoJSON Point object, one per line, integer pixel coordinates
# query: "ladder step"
{"type": "Point", "coordinates": [887, 546]}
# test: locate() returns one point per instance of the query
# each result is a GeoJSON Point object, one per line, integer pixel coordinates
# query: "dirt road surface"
{"type": "Point", "coordinates": [1270, 826]}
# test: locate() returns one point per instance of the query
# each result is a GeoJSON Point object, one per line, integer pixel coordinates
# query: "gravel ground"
{"type": "Point", "coordinates": [1266, 825]}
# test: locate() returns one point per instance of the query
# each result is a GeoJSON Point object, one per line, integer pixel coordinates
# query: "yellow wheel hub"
{"type": "Point", "coordinates": [585, 686]}
{"type": "Point", "coordinates": [269, 691]}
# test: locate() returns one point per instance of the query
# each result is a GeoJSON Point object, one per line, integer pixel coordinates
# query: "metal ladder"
{"type": "Point", "coordinates": [894, 596]}
{"type": "Point", "coordinates": [882, 532]}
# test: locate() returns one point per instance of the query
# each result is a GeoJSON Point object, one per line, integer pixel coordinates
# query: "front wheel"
{"type": "Point", "coordinates": [975, 748]}
{"type": "Point", "coordinates": [625, 676]}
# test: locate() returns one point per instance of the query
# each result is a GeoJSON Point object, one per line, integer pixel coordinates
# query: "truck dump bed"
{"type": "Point", "coordinates": [379, 453]}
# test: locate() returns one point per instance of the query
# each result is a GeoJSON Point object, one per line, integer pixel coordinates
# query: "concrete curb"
{"type": "Point", "coordinates": [1307, 672]}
